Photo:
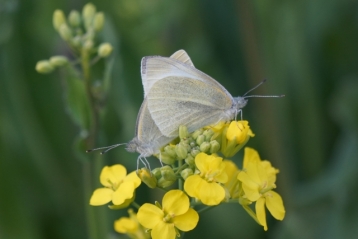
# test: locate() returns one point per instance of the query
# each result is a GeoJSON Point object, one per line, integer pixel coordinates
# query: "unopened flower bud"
{"type": "Point", "coordinates": [196, 133]}
{"type": "Point", "coordinates": [88, 12]}
{"type": "Point", "coordinates": [183, 132]}
{"type": "Point", "coordinates": [170, 150]}
{"type": "Point", "coordinates": [200, 139]}
{"type": "Point", "coordinates": [58, 19]}
{"type": "Point", "coordinates": [88, 44]}
{"type": "Point", "coordinates": [214, 147]}
{"type": "Point", "coordinates": [168, 173]}
{"type": "Point", "coordinates": [65, 32]}
{"type": "Point", "coordinates": [105, 49]}
{"type": "Point", "coordinates": [98, 21]}
{"type": "Point", "coordinates": [44, 67]}
{"type": "Point", "coordinates": [190, 160]}
{"type": "Point", "coordinates": [204, 147]}
{"type": "Point", "coordinates": [166, 158]}
{"type": "Point", "coordinates": [181, 151]}
{"type": "Point", "coordinates": [147, 177]}
{"type": "Point", "coordinates": [194, 152]}
{"type": "Point", "coordinates": [208, 134]}
{"type": "Point", "coordinates": [186, 173]}
{"type": "Point", "coordinates": [57, 61]}
{"type": "Point", "coordinates": [74, 19]}
{"type": "Point", "coordinates": [162, 183]}
{"type": "Point", "coordinates": [156, 172]}
{"type": "Point", "coordinates": [76, 41]}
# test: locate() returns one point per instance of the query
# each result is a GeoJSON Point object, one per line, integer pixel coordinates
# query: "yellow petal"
{"type": "Point", "coordinates": [132, 177]}
{"type": "Point", "coordinates": [270, 171]}
{"type": "Point", "coordinates": [149, 215]}
{"type": "Point", "coordinates": [125, 225]}
{"type": "Point", "coordinates": [233, 130]}
{"type": "Point", "coordinates": [262, 174]}
{"type": "Point", "coordinates": [238, 131]}
{"type": "Point", "coordinates": [260, 212]}
{"type": "Point", "coordinates": [186, 221]}
{"type": "Point", "coordinates": [231, 169]}
{"type": "Point", "coordinates": [201, 162]}
{"type": "Point", "coordinates": [101, 196]}
{"type": "Point", "coordinates": [211, 193]}
{"type": "Point", "coordinates": [215, 162]}
{"type": "Point", "coordinates": [250, 155]}
{"type": "Point", "coordinates": [222, 176]}
{"type": "Point", "coordinates": [113, 174]}
{"type": "Point", "coordinates": [175, 202]}
{"type": "Point", "coordinates": [191, 185]}
{"type": "Point", "coordinates": [252, 172]}
{"type": "Point", "coordinates": [124, 191]}
{"type": "Point", "coordinates": [250, 187]}
{"type": "Point", "coordinates": [232, 172]}
{"type": "Point", "coordinates": [274, 204]}
{"type": "Point", "coordinates": [125, 204]}
{"type": "Point", "coordinates": [163, 231]}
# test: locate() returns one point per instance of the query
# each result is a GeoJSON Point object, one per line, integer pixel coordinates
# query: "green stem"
{"type": "Point", "coordinates": [90, 215]}
{"type": "Point", "coordinates": [180, 181]}
{"type": "Point", "coordinates": [93, 166]}
{"type": "Point", "coordinates": [136, 205]}
{"type": "Point", "coordinates": [206, 209]}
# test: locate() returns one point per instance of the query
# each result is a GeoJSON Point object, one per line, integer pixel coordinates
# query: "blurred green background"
{"type": "Point", "coordinates": [307, 49]}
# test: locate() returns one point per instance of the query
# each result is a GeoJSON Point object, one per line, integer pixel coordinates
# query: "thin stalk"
{"type": "Point", "coordinates": [136, 205]}
{"type": "Point", "coordinates": [205, 209]}
{"type": "Point", "coordinates": [93, 166]}
{"type": "Point", "coordinates": [180, 181]}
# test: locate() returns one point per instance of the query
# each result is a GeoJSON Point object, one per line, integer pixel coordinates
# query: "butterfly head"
{"type": "Point", "coordinates": [132, 145]}
{"type": "Point", "coordinates": [239, 103]}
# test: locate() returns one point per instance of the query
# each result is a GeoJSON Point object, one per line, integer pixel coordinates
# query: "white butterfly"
{"type": "Point", "coordinates": [179, 94]}
{"type": "Point", "coordinates": [148, 138]}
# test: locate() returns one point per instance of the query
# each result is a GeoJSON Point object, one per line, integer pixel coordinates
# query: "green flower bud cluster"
{"type": "Point", "coordinates": [80, 31]}
{"type": "Point", "coordinates": [47, 66]}
{"type": "Point", "coordinates": [159, 177]}
{"type": "Point", "coordinates": [189, 146]}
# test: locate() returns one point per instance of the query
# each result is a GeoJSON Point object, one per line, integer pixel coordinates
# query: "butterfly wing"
{"type": "Point", "coordinates": [154, 68]}
{"type": "Point", "coordinates": [192, 99]}
{"type": "Point", "coordinates": [148, 135]}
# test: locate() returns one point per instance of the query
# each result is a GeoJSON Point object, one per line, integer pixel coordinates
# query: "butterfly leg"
{"type": "Point", "coordinates": [160, 159]}
{"type": "Point", "coordinates": [144, 161]}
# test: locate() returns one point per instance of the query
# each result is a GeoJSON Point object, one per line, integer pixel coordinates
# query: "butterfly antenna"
{"type": "Point", "coordinates": [255, 87]}
{"type": "Point", "coordinates": [260, 96]}
{"type": "Point", "coordinates": [264, 96]}
{"type": "Point", "coordinates": [106, 149]}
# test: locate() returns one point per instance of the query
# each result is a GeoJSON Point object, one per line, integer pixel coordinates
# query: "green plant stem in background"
{"type": "Point", "coordinates": [95, 221]}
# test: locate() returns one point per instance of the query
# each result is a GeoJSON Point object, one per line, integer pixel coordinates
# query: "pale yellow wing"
{"type": "Point", "coordinates": [154, 68]}
{"type": "Point", "coordinates": [187, 100]}
{"type": "Point", "coordinates": [148, 135]}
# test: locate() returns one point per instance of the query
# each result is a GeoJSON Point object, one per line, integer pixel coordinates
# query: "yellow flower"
{"type": "Point", "coordinates": [118, 187]}
{"type": "Point", "coordinates": [130, 226]}
{"type": "Point", "coordinates": [233, 185]}
{"type": "Point", "coordinates": [258, 179]}
{"type": "Point", "coordinates": [234, 137]}
{"type": "Point", "coordinates": [206, 185]}
{"type": "Point", "coordinates": [175, 214]}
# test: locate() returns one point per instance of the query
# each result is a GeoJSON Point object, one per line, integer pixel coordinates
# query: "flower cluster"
{"type": "Point", "coordinates": [204, 178]}
{"type": "Point", "coordinates": [79, 31]}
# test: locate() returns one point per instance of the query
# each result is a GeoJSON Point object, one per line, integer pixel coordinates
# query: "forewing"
{"type": "Point", "coordinates": [155, 68]}
{"type": "Point", "coordinates": [178, 100]}
{"type": "Point", "coordinates": [182, 56]}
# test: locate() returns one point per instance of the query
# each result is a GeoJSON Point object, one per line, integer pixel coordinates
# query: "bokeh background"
{"type": "Point", "coordinates": [307, 49]}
